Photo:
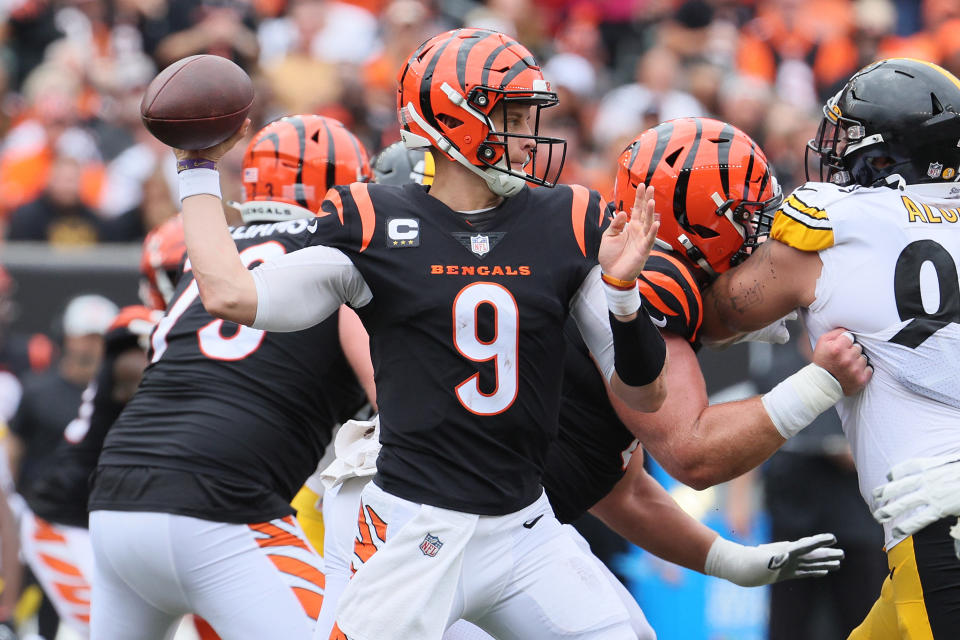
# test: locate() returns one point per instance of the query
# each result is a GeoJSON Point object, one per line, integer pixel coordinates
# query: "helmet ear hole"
{"type": "Point", "coordinates": [703, 232]}
{"type": "Point", "coordinates": [936, 107]}
{"type": "Point", "coordinates": [449, 121]}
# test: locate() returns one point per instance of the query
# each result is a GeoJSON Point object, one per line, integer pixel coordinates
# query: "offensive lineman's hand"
{"type": "Point", "coordinates": [920, 491]}
{"type": "Point", "coordinates": [216, 152]}
{"type": "Point", "coordinates": [839, 353]}
{"type": "Point", "coordinates": [627, 242]}
{"type": "Point", "coordinates": [774, 333]}
{"type": "Point", "coordinates": [810, 557]}
{"type": "Point", "coordinates": [7, 631]}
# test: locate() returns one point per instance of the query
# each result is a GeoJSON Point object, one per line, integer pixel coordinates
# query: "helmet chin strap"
{"type": "Point", "coordinates": [502, 184]}
{"type": "Point", "coordinates": [696, 255]}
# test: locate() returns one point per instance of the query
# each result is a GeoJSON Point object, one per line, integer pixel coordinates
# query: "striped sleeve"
{"type": "Point", "coordinates": [802, 226]}
{"type": "Point", "coordinates": [588, 218]}
{"type": "Point", "coordinates": [671, 295]}
{"type": "Point", "coordinates": [346, 219]}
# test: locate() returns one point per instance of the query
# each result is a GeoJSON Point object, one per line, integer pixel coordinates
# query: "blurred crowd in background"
{"type": "Point", "coordinates": [77, 167]}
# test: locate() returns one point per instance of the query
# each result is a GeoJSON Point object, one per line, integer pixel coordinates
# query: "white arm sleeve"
{"type": "Point", "coordinates": [302, 288]}
{"type": "Point", "coordinates": [589, 310]}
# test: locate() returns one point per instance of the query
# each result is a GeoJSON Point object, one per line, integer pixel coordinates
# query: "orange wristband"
{"type": "Point", "coordinates": [617, 283]}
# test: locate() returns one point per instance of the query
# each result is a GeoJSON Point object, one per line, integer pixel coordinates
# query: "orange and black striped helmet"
{"type": "Point", "coordinates": [160, 263]}
{"type": "Point", "coordinates": [292, 162]}
{"type": "Point", "coordinates": [714, 189]}
{"type": "Point", "coordinates": [450, 87]}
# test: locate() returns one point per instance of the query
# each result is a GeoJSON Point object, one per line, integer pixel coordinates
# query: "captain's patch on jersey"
{"type": "Point", "coordinates": [403, 232]}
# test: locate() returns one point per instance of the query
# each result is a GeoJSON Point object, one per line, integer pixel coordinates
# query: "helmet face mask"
{"type": "Point", "coordinates": [452, 90]}
{"type": "Point", "coordinates": [540, 166]}
{"type": "Point", "coordinates": [713, 187]}
{"type": "Point", "coordinates": [897, 116]}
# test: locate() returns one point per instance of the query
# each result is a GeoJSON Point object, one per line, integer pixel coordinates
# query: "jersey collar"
{"type": "Point", "coordinates": [938, 190]}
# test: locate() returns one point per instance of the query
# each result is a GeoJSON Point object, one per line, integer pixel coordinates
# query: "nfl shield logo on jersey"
{"type": "Point", "coordinates": [430, 545]}
{"type": "Point", "coordinates": [935, 169]}
{"type": "Point", "coordinates": [479, 244]}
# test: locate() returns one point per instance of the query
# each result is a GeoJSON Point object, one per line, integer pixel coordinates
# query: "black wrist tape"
{"type": "Point", "coordinates": [638, 349]}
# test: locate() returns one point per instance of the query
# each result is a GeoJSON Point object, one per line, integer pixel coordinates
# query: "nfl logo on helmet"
{"type": "Point", "coordinates": [431, 545]}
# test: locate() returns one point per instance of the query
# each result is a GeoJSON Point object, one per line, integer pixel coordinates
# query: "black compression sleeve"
{"type": "Point", "coordinates": [638, 349]}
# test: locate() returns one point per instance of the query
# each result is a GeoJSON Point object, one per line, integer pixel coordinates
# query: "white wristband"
{"type": "Point", "coordinates": [195, 182]}
{"type": "Point", "coordinates": [797, 401]}
{"type": "Point", "coordinates": [622, 302]}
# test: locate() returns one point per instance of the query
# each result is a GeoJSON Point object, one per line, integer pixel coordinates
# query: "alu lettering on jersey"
{"type": "Point", "coordinates": [261, 230]}
{"type": "Point", "coordinates": [931, 215]}
{"type": "Point", "coordinates": [482, 270]}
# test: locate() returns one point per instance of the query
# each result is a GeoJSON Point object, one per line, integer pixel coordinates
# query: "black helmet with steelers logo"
{"type": "Point", "coordinates": [896, 116]}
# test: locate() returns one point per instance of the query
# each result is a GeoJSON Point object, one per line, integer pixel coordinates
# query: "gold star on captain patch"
{"type": "Point", "coordinates": [394, 242]}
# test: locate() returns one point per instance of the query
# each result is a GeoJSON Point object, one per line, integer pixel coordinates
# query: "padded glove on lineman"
{"type": "Point", "coordinates": [6, 630]}
{"type": "Point", "coordinates": [774, 333]}
{"type": "Point", "coordinates": [920, 492]}
{"type": "Point", "coordinates": [754, 566]}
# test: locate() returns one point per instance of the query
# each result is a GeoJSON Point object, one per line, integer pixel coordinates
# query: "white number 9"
{"type": "Point", "coordinates": [502, 348]}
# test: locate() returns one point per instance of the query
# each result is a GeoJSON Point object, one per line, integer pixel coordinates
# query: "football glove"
{"type": "Point", "coordinates": [7, 630]}
{"type": "Point", "coordinates": [920, 491]}
{"type": "Point", "coordinates": [809, 557]}
{"type": "Point", "coordinates": [774, 333]}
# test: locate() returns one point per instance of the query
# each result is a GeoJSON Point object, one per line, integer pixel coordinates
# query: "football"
{"type": "Point", "coordinates": [197, 102]}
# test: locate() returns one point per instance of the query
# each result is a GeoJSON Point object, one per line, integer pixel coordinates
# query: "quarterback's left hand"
{"type": "Point", "coordinates": [920, 492]}
{"type": "Point", "coordinates": [810, 557]}
{"type": "Point", "coordinates": [628, 240]}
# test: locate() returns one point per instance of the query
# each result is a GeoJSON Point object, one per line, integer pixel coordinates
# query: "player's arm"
{"type": "Point", "coordinates": [698, 444]}
{"type": "Point", "coordinates": [356, 347]}
{"type": "Point", "coordinates": [642, 511]}
{"type": "Point", "coordinates": [226, 286]}
{"type": "Point", "coordinates": [702, 445]}
{"type": "Point", "coordinates": [772, 282]}
{"type": "Point", "coordinates": [639, 357]}
{"type": "Point", "coordinates": [290, 293]}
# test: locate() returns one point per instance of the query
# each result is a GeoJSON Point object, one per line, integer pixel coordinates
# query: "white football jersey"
{"type": "Point", "coordinates": [890, 263]}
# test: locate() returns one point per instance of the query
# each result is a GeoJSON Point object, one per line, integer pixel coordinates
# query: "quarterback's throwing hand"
{"type": "Point", "coordinates": [216, 152]}
{"type": "Point", "coordinates": [920, 491]}
{"type": "Point", "coordinates": [627, 242]}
